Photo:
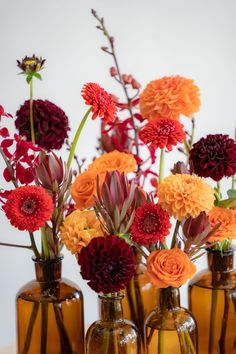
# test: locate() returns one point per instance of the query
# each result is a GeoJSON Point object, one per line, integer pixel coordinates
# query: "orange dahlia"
{"type": "Point", "coordinates": [78, 229]}
{"type": "Point", "coordinates": [184, 195]}
{"type": "Point", "coordinates": [227, 219]}
{"type": "Point", "coordinates": [169, 97]}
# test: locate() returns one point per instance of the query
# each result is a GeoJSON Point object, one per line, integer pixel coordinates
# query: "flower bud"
{"type": "Point", "coordinates": [135, 84]}
{"type": "Point", "coordinates": [193, 227]}
{"type": "Point", "coordinates": [113, 71]}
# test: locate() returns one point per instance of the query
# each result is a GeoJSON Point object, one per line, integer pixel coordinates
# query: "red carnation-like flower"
{"type": "Point", "coordinates": [101, 102]}
{"type": "Point", "coordinates": [163, 133]}
{"type": "Point", "coordinates": [108, 263]}
{"type": "Point", "coordinates": [50, 124]}
{"type": "Point", "coordinates": [28, 207]}
{"type": "Point", "coordinates": [214, 156]}
{"type": "Point", "coordinates": [151, 224]}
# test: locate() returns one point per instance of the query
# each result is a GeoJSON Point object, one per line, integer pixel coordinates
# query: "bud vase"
{"type": "Point", "coordinates": [140, 296]}
{"type": "Point", "coordinates": [212, 300]}
{"type": "Point", "coordinates": [50, 313]}
{"type": "Point", "coordinates": [112, 334]}
{"type": "Point", "coordinates": [170, 328]}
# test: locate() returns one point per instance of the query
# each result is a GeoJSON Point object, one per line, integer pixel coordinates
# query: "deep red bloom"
{"type": "Point", "coordinates": [163, 133]}
{"type": "Point", "coordinates": [101, 102]}
{"type": "Point", "coordinates": [214, 156]}
{"type": "Point", "coordinates": [50, 124]}
{"type": "Point", "coordinates": [151, 224]}
{"type": "Point", "coordinates": [28, 207]}
{"type": "Point", "coordinates": [108, 263]}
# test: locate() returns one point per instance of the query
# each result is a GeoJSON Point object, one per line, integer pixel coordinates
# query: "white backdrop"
{"type": "Point", "coordinates": [154, 38]}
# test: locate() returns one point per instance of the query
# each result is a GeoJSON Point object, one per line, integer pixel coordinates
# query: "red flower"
{"type": "Point", "coordinates": [163, 133]}
{"type": "Point", "coordinates": [101, 102]}
{"type": "Point", "coordinates": [108, 263]}
{"type": "Point", "coordinates": [214, 156]}
{"type": "Point", "coordinates": [151, 224]}
{"type": "Point", "coordinates": [28, 207]}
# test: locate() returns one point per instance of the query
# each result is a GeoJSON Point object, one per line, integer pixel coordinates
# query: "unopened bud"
{"type": "Point", "coordinates": [113, 71]}
{"type": "Point", "coordinates": [135, 84]}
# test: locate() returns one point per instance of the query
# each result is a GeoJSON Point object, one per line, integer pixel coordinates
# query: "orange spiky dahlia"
{"type": "Point", "coordinates": [227, 219]}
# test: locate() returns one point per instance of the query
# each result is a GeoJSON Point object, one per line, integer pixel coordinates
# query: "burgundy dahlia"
{"type": "Point", "coordinates": [50, 124]}
{"type": "Point", "coordinates": [151, 224]}
{"type": "Point", "coordinates": [108, 263]}
{"type": "Point", "coordinates": [214, 156]}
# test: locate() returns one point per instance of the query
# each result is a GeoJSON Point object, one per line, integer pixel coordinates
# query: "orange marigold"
{"type": "Point", "coordinates": [227, 219]}
{"type": "Point", "coordinates": [184, 195]}
{"type": "Point", "coordinates": [115, 160]}
{"type": "Point", "coordinates": [78, 229]}
{"type": "Point", "coordinates": [169, 97]}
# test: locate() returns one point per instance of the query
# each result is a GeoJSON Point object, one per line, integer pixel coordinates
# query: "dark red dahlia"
{"type": "Point", "coordinates": [50, 124]}
{"type": "Point", "coordinates": [108, 263]}
{"type": "Point", "coordinates": [28, 207]}
{"type": "Point", "coordinates": [213, 156]}
{"type": "Point", "coordinates": [162, 133]}
{"type": "Point", "coordinates": [151, 224]}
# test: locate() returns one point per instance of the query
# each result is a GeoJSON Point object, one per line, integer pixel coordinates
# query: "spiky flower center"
{"type": "Point", "coordinates": [29, 206]}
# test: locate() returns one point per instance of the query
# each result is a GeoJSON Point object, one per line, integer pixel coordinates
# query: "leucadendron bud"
{"type": "Point", "coordinates": [194, 227]}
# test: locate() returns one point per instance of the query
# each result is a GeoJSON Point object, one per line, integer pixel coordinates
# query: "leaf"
{"type": "Point", "coordinates": [37, 75]}
{"type": "Point", "coordinates": [231, 193]}
{"type": "Point", "coordinates": [227, 203]}
{"type": "Point", "coordinates": [28, 79]}
{"type": "Point", "coordinates": [117, 217]}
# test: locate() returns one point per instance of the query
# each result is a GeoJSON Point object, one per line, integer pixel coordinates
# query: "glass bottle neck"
{"type": "Point", "coordinates": [168, 298]}
{"type": "Point", "coordinates": [111, 309]}
{"type": "Point", "coordinates": [220, 262]}
{"type": "Point", "coordinates": [48, 270]}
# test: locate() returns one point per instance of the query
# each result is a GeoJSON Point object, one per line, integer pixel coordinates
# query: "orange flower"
{"type": "Point", "coordinates": [169, 97]}
{"type": "Point", "coordinates": [169, 268]}
{"type": "Point", "coordinates": [78, 229]}
{"type": "Point", "coordinates": [115, 160]}
{"type": "Point", "coordinates": [184, 195]}
{"type": "Point", "coordinates": [84, 187]}
{"type": "Point", "coordinates": [227, 218]}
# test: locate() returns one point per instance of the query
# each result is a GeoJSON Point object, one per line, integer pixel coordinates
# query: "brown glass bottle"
{"type": "Point", "coordinates": [50, 313]}
{"type": "Point", "coordinates": [112, 334]}
{"type": "Point", "coordinates": [212, 300]}
{"type": "Point", "coordinates": [170, 329]}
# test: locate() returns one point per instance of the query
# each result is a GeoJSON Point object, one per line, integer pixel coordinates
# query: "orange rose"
{"type": "Point", "coordinates": [169, 268]}
{"type": "Point", "coordinates": [84, 187]}
{"type": "Point", "coordinates": [115, 160]}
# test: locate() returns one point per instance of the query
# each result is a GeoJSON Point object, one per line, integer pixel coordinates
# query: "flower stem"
{"type": "Point", "coordinates": [161, 165]}
{"type": "Point", "coordinates": [192, 133]}
{"type": "Point", "coordinates": [33, 245]}
{"type": "Point", "coordinates": [212, 321]}
{"type": "Point", "coordinates": [44, 326]}
{"type": "Point", "coordinates": [161, 341]}
{"type": "Point", "coordinates": [45, 243]}
{"type": "Point", "coordinates": [174, 239]}
{"type": "Point", "coordinates": [233, 181]}
{"type": "Point", "coordinates": [13, 245]}
{"type": "Point", "coordinates": [76, 138]}
{"type": "Point", "coordinates": [65, 341]}
{"type": "Point", "coordinates": [224, 322]}
{"type": "Point", "coordinates": [32, 320]}
{"type": "Point", "coordinates": [31, 112]}
{"type": "Point", "coordinates": [190, 343]}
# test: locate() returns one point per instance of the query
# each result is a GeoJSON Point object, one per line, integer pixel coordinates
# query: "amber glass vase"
{"type": "Point", "coordinates": [112, 334]}
{"type": "Point", "coordinates": [212, 300]}
{"type": "Point", "coordinates": [170, 329]}
{"type": "Point", "coordinates": [50, 313]}
{"type": "Point", "coordinates": [140, 296]}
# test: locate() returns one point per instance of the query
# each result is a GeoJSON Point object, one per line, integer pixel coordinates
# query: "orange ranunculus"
{"type": "Point", "coordinates": [169, 268]}
{"type": "Point", "coordinates": [227, 219]}
{"type": "Point", "coordinates": [169, 97]}
{"type": "Point", "coordinates": [84, 187]}
{"type": "Point", "coordinates": [115, 160]}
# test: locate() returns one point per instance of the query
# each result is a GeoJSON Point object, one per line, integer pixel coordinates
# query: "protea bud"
{"type": "Point", "coordinates": [180, 168]}
{"type": "Point", "coordinates": [193, 228]}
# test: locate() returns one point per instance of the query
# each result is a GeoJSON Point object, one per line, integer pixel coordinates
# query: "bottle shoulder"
{"type": "Point", "coordinates": [207, 279]}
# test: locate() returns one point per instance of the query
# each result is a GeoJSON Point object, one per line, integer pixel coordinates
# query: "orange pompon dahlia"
{"type": "Point", "coordinates": [101, 102]}
{"type": "Point", "coordinates": [227, 219]}
{"type": "Point", "coordinates": [169, 268]}
{"type": "Point", "coordinates": [169, 97]}
{"type": "Point", "coordinates": [184, 195]}
{"type": "Point", "coordinates": [78, 229]}
{"type": "Point", "coordinates": [28, 207]}
{"type": "Point", "coordinates": [114, 161]}
{"type": "Point", "coordinates": [84, 188]}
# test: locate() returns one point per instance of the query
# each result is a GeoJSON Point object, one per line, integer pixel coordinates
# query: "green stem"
{"type": "Point", "coordinates": [161, 165]}
{"type": "Point", "coordinates": [116, 348]}
{"type": "Point", "coordinates": [233, 181]}
{"type": "Point", "coordinates": [174, 239]}
{"type": "Point", "coordinates": [31, 112]}
{"type": "Point", "coordinates": [164, 245]}
{"type": "Point", "coordinates": [65, 341]}
{"type": "Point", "coordinates": [192, 133]}
{"type": "Point", "coordinates": [212, 321]}
{"type": "Point", "coordinates": [45, 243]}
{"type": "Point", "coordinates": [224, 322]}
{"type": "Point", "coordinates": [33, 245]}
{"type": "Point", "coordinates": [12, 245]}
{"type": "Point", "coordinates": [44, 327]}
{"type": "Point", "coordinates": [190, 343]}
{"type": "Point", "coordinates": [105, 343]}
{"type": "Point", "coordinates": [30, 328]}
{"type": "Point", "coordinates": [161, 342]}
{"type": "Point", "coordinates": [76, 138]}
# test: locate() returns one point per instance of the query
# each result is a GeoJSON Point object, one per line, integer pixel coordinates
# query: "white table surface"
{"type": "Point", "coordinates": [8, 350]}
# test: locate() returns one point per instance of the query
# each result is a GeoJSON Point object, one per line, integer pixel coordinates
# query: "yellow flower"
{"type": "Point", "coordinates": [184, 195]}
{"type": "Point", "coordinates": [115, 160]}
{"type": "Point", "coordinates": [227, 219]}
{"type": "Point", "coordinates": [78, 229]}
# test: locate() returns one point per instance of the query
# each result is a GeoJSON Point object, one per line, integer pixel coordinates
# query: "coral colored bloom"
{"type": "Point", "coordinates": [151, 224]}
{"type": "Point", "coordinates": [214, 156]}
{"type": "Point", "coordinates": [112, 161]}
{"type": "Point", "coordinates": [163, 133]}
{"type": "Point", "coordinates": [184, 195]}
{"type": "Point", "coordinates": [101, 102]}
{"type": "Point", "coordinates": [78, 229]}
{"type": "Point", "coordinates": [169, 268]}
{"type": "Point", "coordinates": [227, 219]}
{"type": "Point", "coordinates": [108, 263]}
{"type": "Point", "coordinates": [28, 207]}
{"type": "Point", "coordinates": [84, 188]}
{"type": "Point", "coordinates": [169, 97]}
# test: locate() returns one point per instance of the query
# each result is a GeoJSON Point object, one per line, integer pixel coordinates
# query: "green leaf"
{"type": "Point", "coordinates": [37, 75]}
{"type": "Point", "coordinates": [28, 78]}
{"type": "Point", "coordinates": [227, 203]}
{"type": "Point", "coordinates": [231, 193]}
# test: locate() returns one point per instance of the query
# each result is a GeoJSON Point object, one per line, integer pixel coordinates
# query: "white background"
{"type": "Point", "coordinates": [154, 38]}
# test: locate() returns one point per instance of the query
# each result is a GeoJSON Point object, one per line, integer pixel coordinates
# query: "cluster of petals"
{"type": "Point", "coordinates": [227, 220]}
